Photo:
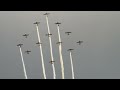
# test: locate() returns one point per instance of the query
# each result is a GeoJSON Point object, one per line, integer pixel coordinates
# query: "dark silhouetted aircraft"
{"type": "Point", "coordinates": [20, 45]}
{"type": "Point", "coordinates": [38, 43]}
{"type": "Point", "coordinates": [68, 33]}
{"type": "Point", "coordinates": [70, 49]}
{"type": "Point", "coordinates": [48, 35]}
{"type": "Point", "coordinates": [58, 42]}
{"type": "Point", "coordinates": [79, 42]}
{"type": "Point", "coordinates": [27, 52]}
{"type": "Point", "coordinates": [51, 62]}
{"type": "Point", "coordinates": [46, 14]}
{"type": "Point", "coordinates": [58, 23]}
{"type": "Point", "coordinates": [36, 23]}
{"type": "Point", "coordinates": [26, 35]}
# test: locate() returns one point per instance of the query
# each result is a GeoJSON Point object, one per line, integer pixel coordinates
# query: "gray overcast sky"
{"type": "Point", "coordinates": [98, 57]}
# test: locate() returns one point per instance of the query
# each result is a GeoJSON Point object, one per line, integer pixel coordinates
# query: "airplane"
{"type": "Point", "coordinates": [51, 62]}
{"type": "Point", "coordinates": [58, 23]}
{"type": "Point", "coordinates": [48, 35]}
{"type": "Point", "coordinates": [58, 42]}
{"type": "Point", "coordinates": [38, 43]}
{"type": "Point", "coordinates": [36, 23]}
{"type": "Point", "coordinates": [46, 14]}
{"type": "Point", "coordinates": [27, 52]}
{"type": "Point", "coordinates": [80, 42]}
{"type": "Point", "coordinates": [20, 45]}
{"type": "Point", "coordinates": [70, 49]}
{"type": "Point", "coordinates": [26, 35]}
{"type": "Point", "coordinates": [68, 33]}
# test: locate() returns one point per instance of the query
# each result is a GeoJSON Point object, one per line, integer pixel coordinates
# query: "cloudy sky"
{"type": "Point", "coordinates": [97, 58]}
